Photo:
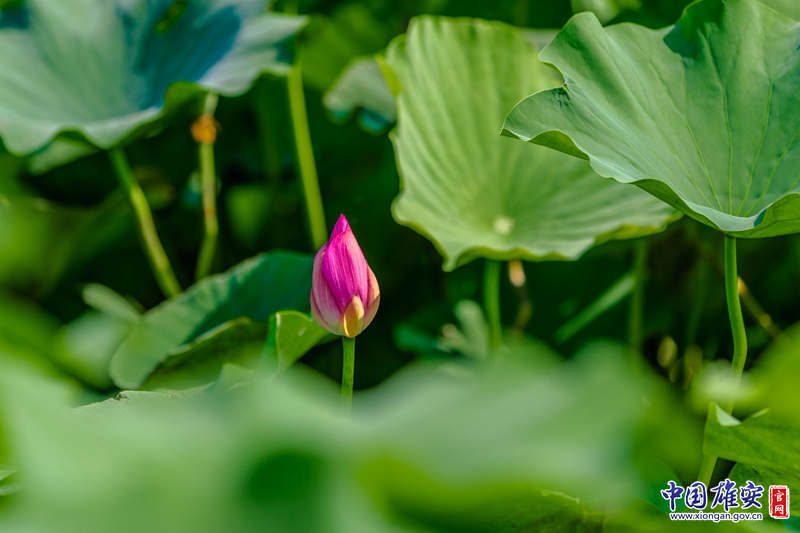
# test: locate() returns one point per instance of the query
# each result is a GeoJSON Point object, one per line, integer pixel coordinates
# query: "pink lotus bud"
{"type": "Point", "coordinates": [344, 291]}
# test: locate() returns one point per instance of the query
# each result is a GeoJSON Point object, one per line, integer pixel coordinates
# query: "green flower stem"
{"type": "Point", "coordinates": [636, 312]}
{"type": "Point", "coordinates": [491, 301]}
{"type": "Point", "coordinates": [732, 293]}
{"type": "Point", "coordinates": [749, 301]}
{"type": "Point", "coordinates": [155, 251]}
{"type": "Point", "coordinates": [209, 178]}
{"type": "Point", "coordinates": [348, 369]}
{"type": "Point", "coordinates": [305, 156]}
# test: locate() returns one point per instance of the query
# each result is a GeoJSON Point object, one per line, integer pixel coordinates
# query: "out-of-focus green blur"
{"type": "Point", "coordinates": [549, 432]}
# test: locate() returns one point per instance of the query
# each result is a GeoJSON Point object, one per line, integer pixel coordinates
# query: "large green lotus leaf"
{"type": "Point", "coordinates": [253, 289]}
{"type": "Point", "coordinates": [474, 193]}
{"type": "Point", "coordinates": [104, 68]}
{"type": "Point", "coordinates": [788, 7]}
{"type": "Point", "coordinates": [704, 115]}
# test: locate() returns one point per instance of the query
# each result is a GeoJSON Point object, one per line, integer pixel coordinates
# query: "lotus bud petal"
{"type": "Point", "coordinates": [344, 291]}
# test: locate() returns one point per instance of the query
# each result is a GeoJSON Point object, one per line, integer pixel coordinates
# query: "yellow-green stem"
{"type": "Point", "coordinates": [739, 337]}
{"type": "Point", "coordinates": [305, 156]}
{"type": "Point", "coordinates": [209, 179]}
{"type": "Point", "coordinates": [348, 369]}
{"type": "Point", "coordinates": [147, 228]}
{"type": "Point", "coordinates": [491, 302]}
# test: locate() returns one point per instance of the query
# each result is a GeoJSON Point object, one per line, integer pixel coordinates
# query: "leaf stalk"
{"type": "Point", "coordinates": [636, 312]}
{"type": "Point", "coordinates": [732, 295]}
{"type": "Point", "coordinates": [209, 185]}
{"type": "Point", "coordinates": [491, 302]}
{"type": "Point", "coordinates": [147, 229]}
{"type": "Point", "coordinates": [305, 156]}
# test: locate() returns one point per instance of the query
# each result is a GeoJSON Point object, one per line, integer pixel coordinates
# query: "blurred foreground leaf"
{"type": "Point", "coordinates": [500, 449]}
{"type": "Point", "coordinates": [87, 344]}
{"type": "Point", "coordinates": [84, 346]}
{"type": "Point", "coordinates": [27, 337]}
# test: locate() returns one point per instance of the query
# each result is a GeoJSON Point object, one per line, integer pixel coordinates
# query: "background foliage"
{"type": "Point", "coordinates": [553, 430]}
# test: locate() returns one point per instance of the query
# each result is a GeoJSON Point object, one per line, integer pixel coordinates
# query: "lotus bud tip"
{"type": "Point", "coordinates": [344, 291]}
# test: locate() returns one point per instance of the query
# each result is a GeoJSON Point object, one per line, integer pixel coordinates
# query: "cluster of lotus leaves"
{"type": "Point", "coordinates": [101, 70]}
{"type": "Point", "coordinates": [474, 193]}
{"type": "Point", "coordinates": [704, 115]}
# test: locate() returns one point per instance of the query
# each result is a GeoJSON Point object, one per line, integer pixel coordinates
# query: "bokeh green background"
{"type": "Point", "coordinates": [426, 451]}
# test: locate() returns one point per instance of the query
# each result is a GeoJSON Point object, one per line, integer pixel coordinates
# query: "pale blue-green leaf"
{"type": "Point", "coordinates": [105, 69]}
{"type": "Point", "coordinates": [61, 151]}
